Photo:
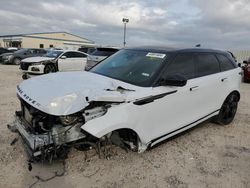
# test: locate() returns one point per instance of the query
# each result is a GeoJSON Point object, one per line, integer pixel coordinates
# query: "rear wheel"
{"type": "Point", "coordinates": [49, 69]}
{"type": "Point", "coordinates": [228, 110]}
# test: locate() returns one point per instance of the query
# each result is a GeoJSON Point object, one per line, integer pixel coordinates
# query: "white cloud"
{"type": "Point", "coordinates": [217, 24]}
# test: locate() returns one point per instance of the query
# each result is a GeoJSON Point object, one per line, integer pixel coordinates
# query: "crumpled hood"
{"type": "Point", "coordinates": [37, 59]}
{"type": "Point", "coordinates": [65, 93]}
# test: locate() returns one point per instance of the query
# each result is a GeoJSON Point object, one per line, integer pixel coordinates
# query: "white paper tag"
{"type": "Point", "coordinates": [156, 55]}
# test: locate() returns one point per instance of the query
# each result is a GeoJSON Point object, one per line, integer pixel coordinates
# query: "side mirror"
{"type": "Point", "coordinates": [174, 80]}
{"type": "Point", "coordinates": [63, 57]}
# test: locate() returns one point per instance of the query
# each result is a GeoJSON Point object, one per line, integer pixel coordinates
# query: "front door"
{"type": "Point", "coordinates": [66, 62]}
{"type": "Point", "coordinates": [176, 106]}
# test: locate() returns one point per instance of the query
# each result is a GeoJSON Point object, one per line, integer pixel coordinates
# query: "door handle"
{"type": "Point", "coordinates": [194, 88]}
{"type": "Point", "coordinates": [223, 79]}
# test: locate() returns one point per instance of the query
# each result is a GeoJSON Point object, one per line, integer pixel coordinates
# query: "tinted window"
{"type": "Point", "coordinates": [207, 64]}
{"type": "Point", "coordinates": [53, 54]}
{"type": "Point", "coordinates": [183, 65]}
{"type": "Point", "coordinates": [42, 51]}
{"type": "Point", "coordinates": [69, 54]}
{"type": "Point", "coordinates": [79, 55]}
{"type": "Point", "coordinates": [74, 55]}
{"type": "Point", "coordinates": [31, 51]}
{"type": "Point", "coordinates": [104, 51]}
{"type": "Point", "coordinates": [225, 63]}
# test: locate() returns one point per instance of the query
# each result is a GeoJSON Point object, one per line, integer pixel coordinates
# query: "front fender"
{"type": "Point", "coordinates": [117, 117]}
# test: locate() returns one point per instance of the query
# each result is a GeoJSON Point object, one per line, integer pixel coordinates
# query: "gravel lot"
{"type": "Point", "coordinates": [209, 155]}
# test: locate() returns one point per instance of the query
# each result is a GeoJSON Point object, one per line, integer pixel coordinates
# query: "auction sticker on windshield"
{"type": "Point", "coordinates": [156, 55]}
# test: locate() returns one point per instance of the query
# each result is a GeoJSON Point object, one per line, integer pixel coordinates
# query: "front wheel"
{"type": "Point", "coordinates": [228, 110]}
{"type": "Point", "coordinates": [49, 69]}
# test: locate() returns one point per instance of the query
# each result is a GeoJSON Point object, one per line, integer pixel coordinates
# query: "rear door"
{"type": "Point", "coordinates": [207, 85]}
{"type": "Point", "coordinates": [230, 74]}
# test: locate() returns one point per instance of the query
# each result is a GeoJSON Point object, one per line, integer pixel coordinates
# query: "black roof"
{"type": "Point", "coordinates": [164, 49]}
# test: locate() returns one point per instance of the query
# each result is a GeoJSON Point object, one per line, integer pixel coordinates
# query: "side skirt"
{"type": "Point", "coordinates": [170, 134]}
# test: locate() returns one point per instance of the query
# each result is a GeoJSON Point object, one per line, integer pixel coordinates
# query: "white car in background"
{"type": "Point", "coordinates": [53, 61]}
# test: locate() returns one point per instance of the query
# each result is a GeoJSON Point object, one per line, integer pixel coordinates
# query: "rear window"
{"type": "Point", "coordinates": [207, 64]}
{"type": "Point", "coordinates": [104, 51]}
{"type": "Point", "coordinates": [225, 63]}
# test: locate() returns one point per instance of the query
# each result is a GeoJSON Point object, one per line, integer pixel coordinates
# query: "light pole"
{"type": "Point", "coordinates": [125, 21]}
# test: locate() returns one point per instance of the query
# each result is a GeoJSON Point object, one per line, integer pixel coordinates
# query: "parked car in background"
{"type": "Point", "coordinates": [53, 61]}
{"type": "Point", "coordinates": [98, 55]}
{"type": "Point", "coordinates": [246, 70]}
{"type": "Point", "coordinates": [4, 52]}
{"type": "Point", "coordinates": [16, 57]}
{"type": "Point", "coordinates": [136, 98]}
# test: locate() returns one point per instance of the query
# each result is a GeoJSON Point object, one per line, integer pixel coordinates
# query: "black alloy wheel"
{"type": "Point", "coordinates": [228, 110]}
{"type": "Point", "coordinates": [49, 69]}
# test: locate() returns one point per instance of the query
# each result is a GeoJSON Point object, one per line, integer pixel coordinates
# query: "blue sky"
{"type": "Point", "coordinates": [215, 24]}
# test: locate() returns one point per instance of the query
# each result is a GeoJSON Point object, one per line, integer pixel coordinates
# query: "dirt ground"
{"type": "Point", "coordinates": [209, 155]}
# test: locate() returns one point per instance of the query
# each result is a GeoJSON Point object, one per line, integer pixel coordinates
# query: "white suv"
{"type": "Point", "coordinates": [135, 98]}
{"type": "Point", "coordinates": [53, 61]}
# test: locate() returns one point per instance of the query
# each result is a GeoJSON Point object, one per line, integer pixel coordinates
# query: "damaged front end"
{"type": "Point", "coordinates": [49, 137]}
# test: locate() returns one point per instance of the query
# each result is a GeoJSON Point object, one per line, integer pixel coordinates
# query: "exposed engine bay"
{"type": "Point", "coordinates": [48, 137]}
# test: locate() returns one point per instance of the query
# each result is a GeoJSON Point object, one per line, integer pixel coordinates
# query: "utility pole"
{"type": "Point", "coordinates": [125, 21]}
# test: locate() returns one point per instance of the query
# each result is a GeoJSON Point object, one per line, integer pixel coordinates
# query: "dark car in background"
{"type": "Point", "coordinates": [5, 51]}
{"type": "Point", "coordinates": [17, 56]}
{"type": "Point", "coordinates": [98, 55]}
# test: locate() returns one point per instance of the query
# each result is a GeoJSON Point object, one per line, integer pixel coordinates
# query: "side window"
{"type": "Point", "coordinates": [30, 51]}
{"type": "Point", "coordinates": [41, 51]}
{"type": "Point", "coordinates": [68, 54]}
{"type": "Point", "coordinates": [183, 64]}
{"type": "Point", "coordinates": [36, 51]}
{"type": "Point", "coordinates": [79, 55]}
{"type": "Point", "coordinates": [225, 63]}
{"type": "Point", "coordinates": [206, 64]}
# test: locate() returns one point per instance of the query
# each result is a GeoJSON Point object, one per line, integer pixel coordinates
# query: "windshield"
{"type": "Point", "coordinates": [53, 54]}
{"type": "Point", "coordinates": [132, 66]}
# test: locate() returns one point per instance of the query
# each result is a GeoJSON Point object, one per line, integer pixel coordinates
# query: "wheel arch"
{"type": "Point", "coordinates": [51, 63]}
{"type": "Point", "coordinates": [130, 135]}
{"type": "Point", "coordinates": [237, 93]}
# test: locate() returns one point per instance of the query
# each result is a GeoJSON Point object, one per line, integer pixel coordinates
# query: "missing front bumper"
{"type": "Point", "coordinates": [47, 143]}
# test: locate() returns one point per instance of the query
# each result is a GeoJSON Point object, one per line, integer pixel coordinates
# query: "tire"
{"type": "Point", "coordinates": [49, 68]}
{"type": "Point", "coordinates": [228, 110]}
{"type": "Point", "coordinates": [16, 61]}
{"type": "Point", "coordinates": [24, 77]}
